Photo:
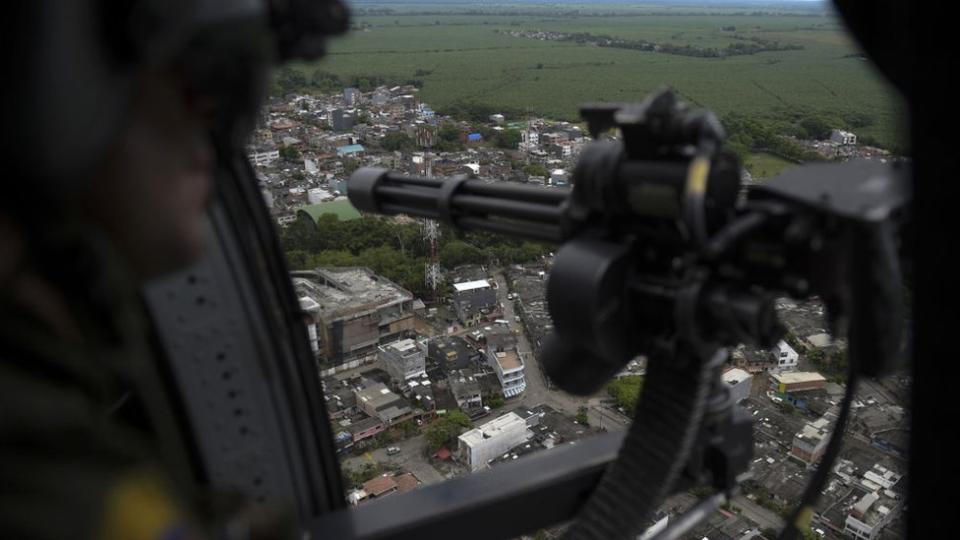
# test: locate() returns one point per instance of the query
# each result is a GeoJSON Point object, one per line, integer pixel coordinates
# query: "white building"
{"type": "Point", "coordinates": [404, 359]}
{"type": "Point", "coordinates": [786, 357]}
{"type": "Point", "coordinates": [481, 445]}
{"type": "Point", "coordinates": [509, 368]}
{"type": "Point", "coordinates": [497, 118]}
{"type": "Point", "coordinates": [877, 507]}
{"type": "Point", "coordinates": [870, 515]}
{"type": "Point", "coordinates": [531, 137]}
{"type": "Point", "coordinates": [351, 96]}
{"type": "Point", "coordinates": [739, 382]}
{"type": "Point", "coordinates": [318, 195]}
{"type": "Point", "coordinates": [559, 177]}
{"type": "Point", "coordinates": [309, 305]}
{"type": "Point", "coordinates": [264, 158]}
{"type": "Point", "coordinates": [842, 137]}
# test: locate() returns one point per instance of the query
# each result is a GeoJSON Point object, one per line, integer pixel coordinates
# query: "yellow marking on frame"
{"type": "Point", "coordinates": [697, 175]}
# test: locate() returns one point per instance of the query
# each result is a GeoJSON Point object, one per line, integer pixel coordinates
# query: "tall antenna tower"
{"type": "Point", "coordinates": [431, 232]}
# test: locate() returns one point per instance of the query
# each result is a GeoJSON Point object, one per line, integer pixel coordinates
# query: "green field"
{"type": "Point", "coordinates": [763, 165]}
{"type": "Point", "coordinates": [461, 57]}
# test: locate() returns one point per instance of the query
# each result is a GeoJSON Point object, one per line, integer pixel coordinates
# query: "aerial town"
{"type": "Point", "coordinates": [423, 389]}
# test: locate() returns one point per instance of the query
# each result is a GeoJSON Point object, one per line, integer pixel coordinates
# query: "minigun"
{"type": "Point", "coordinates": [664, 252]}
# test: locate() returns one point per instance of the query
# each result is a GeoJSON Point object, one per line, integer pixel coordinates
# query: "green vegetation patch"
{"type": "Point", "coordinates": [626, 390]}
{"type": "Point", "coordinates": [764, 165]}
{"type": "Point", "coordinates": [470, 58]}
{"type": "Point", "coordinates": [342, 209]}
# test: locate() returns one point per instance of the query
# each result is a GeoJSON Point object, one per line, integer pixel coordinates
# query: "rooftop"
{"type": "Point", "coordinates": [797, 377]}
{"type": "Point", "coordinates": [816, 430]}
{"type": "Point", "coordinates": [379, 486]}
{"type": "Point", "coordinates": [349, 149]}
{"type": "Point", "coordinates": [471, 285]}
{"type": "Point", "coordinates": [463, 383]}
{"type": "Point", "coordinates": [348, 290]}
{"type": "Point", "coordinates": [404, 347]}
{"type": "Point", "coordinates": [451, 352]}
{"type": "Point", "coordinates": [361, 425]}
{"type": "Point", "coordinates": [406, 482]}
{"type": "Point", "coordinates": [492, 429]}
{"type": "Point", "coordinates": [735, 375]}
{"type": "Point", "coordinates": [377, 396]}
{"type": "Point", "coordinates": [820, 340]}
{"type": "Point", "coordinates": [509, 360]}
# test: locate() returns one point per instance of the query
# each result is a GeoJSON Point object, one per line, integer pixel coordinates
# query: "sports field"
{"type": "Point", "coordinates": [763, 165]}
{"type": "Point", "coordinates": [485, 57]}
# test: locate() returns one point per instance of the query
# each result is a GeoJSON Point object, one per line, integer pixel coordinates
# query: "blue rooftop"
{"type": "Point", "coordinates": [474, 137]}
{"type": "Point", "coordinates": [349, 149]}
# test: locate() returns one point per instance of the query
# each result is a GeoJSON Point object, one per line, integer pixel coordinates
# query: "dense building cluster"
{"type": "Point", "coordinates": [307, 145]}
{"type": "Point", "coordinates": [398, 372]}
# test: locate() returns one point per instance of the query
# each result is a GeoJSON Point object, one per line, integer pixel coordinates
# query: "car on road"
{"type": "Point", "coordinates": [392, 451]}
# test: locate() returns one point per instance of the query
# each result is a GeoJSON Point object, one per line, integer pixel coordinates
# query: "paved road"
{"type": "Point", "coordinates": [603, 417]}
{"type": "Point", "coordinates": [537, 392]}
{"type": "Point", "coordinates": [410, 459]}
{"type": "Point", "coordinates": [766, 519]}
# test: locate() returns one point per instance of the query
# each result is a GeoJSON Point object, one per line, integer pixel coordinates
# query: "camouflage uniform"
{"type": "Point", "coordinates": [83, 438]}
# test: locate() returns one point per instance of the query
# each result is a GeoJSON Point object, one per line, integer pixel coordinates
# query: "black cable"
{"type": "Point", "coordinates": [801, 515]}
{"type": "Point", "coordinates": [655, 449]}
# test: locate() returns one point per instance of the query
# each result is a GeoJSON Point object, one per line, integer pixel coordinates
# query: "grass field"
{"type": "Point", "coordinates": [763, 165]}
{"type": "Point", "coordinates": [461, 57]}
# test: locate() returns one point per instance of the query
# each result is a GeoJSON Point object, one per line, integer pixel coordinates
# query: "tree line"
{"type": "Point", "coordinates": [288, 80]}
{"type": "Point", "coordinates": [745, 45]}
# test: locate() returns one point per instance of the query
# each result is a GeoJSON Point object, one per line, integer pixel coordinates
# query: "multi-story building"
{"type": "Point", "coordinates": [351, 97]}
{"type": "Point", "coordinates": [341, 120]}
{"type": "Point", "coordinates": [878, 505]}
{"type": "Point", "coordinates": [452, 353]}
{"type": "Point", "coordinates": [470, 297]}
{"type": "Point", "coordinates": [260, 158]}
{"type": "Point", "coordinates": [465, 389]}
{"type": "Point", "coordinates": [811, 442]}
{"type": "Point", "coordinates": [367, 427]}
{"type": "Point", "coordinates": [786, 357]}
{"type": "Point", "coordinates": [351, 311]}
{"type": "Point", "coordinates": [404, 359]}
{"type": "Point", "coordinates": [796, 381]}
{"type": "Point", "coordinates": [379, 402]}
{"type": "Point", "coordinates": [481, 445]}
{"type": "Point", "coordinates": [530, 137]}
{"type": "Point", "coordinates": [508, 366]}
{"type": "Point", "coordinates": [870, 514]}
{"type": "Point", "coordinates": [751, 360]}
{"type": "Point", "coordinates": [739, 383]}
